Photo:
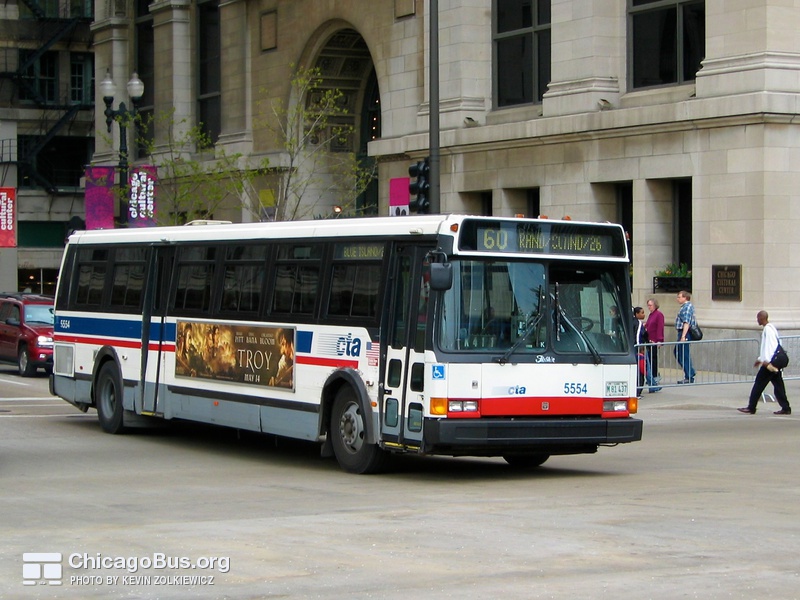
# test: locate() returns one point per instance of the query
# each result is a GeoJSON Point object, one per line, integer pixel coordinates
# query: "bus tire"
{"type": "Point", "coordinates": [108, 398]}
{"type": "Point", "coordinates": [526, 461]}
{"type": "Point", "coordinates": [348, 433]}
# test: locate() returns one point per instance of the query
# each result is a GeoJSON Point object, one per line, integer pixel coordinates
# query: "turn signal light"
{"type": "Point", "coordinates": [439, 406]}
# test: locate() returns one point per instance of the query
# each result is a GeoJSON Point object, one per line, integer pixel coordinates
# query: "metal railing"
{"type": "Point", "coordinates": [717, 361]}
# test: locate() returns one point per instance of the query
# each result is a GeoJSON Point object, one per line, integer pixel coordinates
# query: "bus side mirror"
{"type": "Point", "coordinates": [441, 276]}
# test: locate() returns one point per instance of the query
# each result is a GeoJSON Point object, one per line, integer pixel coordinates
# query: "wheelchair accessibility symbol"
{"type": "Point", "coordinates": [438, 371]}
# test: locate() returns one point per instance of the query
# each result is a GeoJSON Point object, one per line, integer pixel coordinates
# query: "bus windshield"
{"type": "Point", "coordinates": [521, 308]}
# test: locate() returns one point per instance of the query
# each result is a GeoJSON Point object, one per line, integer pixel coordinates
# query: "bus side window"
{"type": "Point", "coordinates": [354, 290]}
{"type": "Point", "coordinates": [244, 278]}
{"type": "Point", "coordinates": [65, 279]}
{"type": "Point", "coordinates": [127, 285]}
{"type": "Point", "coordinates": [92, 265]}
{"type": "Point", "coordinates": [195, 278]}
{"type": "Point", "coordinates": [296, 289]}
{"type": "Point", "coordinates": [297, 279]}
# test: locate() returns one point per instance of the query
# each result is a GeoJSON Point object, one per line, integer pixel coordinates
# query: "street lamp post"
{"type": "Point", "coordinates": [123, 115]}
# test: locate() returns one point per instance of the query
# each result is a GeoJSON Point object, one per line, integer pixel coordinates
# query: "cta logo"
{"type": "Point", "coordinates": [348, 346]}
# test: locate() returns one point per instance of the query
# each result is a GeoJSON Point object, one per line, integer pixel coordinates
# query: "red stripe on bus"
{"type": "Point", "coordinates": [152, 346]}
{"type": "Point", "coordinates": [540, 405]}
{"type": "Point", "coordinates": [326, 362]}
{"type": "Point", "coordinates": [166, 347]}
{"type": "Point", "coordinates": [98, 341]}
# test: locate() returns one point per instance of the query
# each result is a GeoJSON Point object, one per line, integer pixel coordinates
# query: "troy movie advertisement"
{"type": "Point", "coordinates": [240, 353]}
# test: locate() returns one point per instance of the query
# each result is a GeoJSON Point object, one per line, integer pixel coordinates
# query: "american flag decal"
{"type": "Point", "coordinates": [373, 354]}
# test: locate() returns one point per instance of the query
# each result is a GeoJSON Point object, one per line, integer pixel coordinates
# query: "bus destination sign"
{"type": "Point", "coordinates": [542, 238]}
{"type": "Point", "coordinates": [360, 251]}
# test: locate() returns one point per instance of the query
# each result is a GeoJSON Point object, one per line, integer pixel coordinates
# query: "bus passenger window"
{"type": "Point", "coordinates": [296, 284]}
{"type": "Point", "coordinates": [91, 280]}
{"type": "Point", "coordinates": [91, 276]}
{"type": "Point", "coordinates": [244, 278]}
{"type": "Point", "coordinates": [296, 289]}
{"type": "Point", "coordinates": [126, 292]}
{"type": "Point", "coordinates": [354, 291]}
{"type": "Point", "coordinates": [194, 287]}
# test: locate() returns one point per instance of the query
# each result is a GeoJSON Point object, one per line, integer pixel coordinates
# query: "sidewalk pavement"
{"type": "Point", "coordinates": [715, 395]}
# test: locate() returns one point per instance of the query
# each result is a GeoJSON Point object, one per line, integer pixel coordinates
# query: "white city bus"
{"type": "Point", "coordinates": [437, 334]}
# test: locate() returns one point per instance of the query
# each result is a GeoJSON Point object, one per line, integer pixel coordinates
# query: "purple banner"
{"type": "Point", "coordinates": [99, 199]}
{"type": "Point", "coordinates": [8, 218]}
{"type": "Point", "coordinates": [142, 199]}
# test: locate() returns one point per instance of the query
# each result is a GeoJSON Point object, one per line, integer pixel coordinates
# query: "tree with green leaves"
{"type": "Point", "coordinates": [197, 180]}
{"type": "Point", "coordinates": [319, 169]}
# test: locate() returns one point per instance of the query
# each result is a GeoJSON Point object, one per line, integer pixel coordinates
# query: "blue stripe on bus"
{"type": "Point", "coordinates": [117, 328]}
{"type": "Point", "coordinates": [171, 330]}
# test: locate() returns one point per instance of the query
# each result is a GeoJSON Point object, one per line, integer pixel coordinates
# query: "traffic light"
{"type": "Point", "coordinates": [419, 187]}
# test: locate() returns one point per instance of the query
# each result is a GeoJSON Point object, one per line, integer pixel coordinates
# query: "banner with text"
{"type": "Point", "coordinates": [142, 198]}
{"type": "Point", "coordinates": [8, 217]}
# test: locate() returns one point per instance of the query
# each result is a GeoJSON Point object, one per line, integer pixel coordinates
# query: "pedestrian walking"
{"type": "Point", "coordinates": [683, 323]}
{"type": "Point", "coordinates": [767, 373]}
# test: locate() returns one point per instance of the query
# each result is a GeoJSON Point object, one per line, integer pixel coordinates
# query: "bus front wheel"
{"type": "Point", "coordinates": [108, 398]}
{"type": "Point", "coordinates": [526, 461]}
{"type": "Point", "coordinates": [348, 433]}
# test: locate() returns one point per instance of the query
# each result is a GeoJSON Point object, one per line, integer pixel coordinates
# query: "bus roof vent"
{"type": "Point", "coordinates": [208, 222]}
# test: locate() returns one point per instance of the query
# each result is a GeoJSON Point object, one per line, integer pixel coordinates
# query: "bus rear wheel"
{"type": "Point", "coordinates": [526, 461]}
{"type": "Point", "coordinates": [108, 398]}
{"type": "Point", "coordinates": [348, 433]}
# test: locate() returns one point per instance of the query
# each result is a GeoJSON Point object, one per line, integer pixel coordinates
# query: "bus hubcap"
{"type": "Point", "coordinates": [351, 428]}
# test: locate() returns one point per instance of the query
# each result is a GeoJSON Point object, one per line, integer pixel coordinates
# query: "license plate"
{"type": "Point", "coordinates": [616, 388]}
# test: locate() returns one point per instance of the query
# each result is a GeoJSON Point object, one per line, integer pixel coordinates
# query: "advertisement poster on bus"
{"type": "Point", "coordinates": [8, 217]}
{"type": "Point", "coordinates": [251, 354]}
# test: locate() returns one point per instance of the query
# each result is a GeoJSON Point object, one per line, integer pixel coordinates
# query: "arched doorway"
{"type": "Point", "coordinates": [345, 64]}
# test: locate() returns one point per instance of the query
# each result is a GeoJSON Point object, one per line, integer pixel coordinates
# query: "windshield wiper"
{"type": "Point", "coordinates": [562, 314]}
{"type": "Point", "coordinates": [533, 322]}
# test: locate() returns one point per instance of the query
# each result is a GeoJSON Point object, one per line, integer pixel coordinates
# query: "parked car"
{"type": "Point", "coordinates": [26, 331]}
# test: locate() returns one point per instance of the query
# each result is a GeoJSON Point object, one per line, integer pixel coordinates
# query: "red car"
{"type": "Point", "coordinates": [26, 331]}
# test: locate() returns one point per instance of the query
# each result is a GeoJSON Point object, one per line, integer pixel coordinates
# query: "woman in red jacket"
{"type": "Point", "coordinates": [655, 333]}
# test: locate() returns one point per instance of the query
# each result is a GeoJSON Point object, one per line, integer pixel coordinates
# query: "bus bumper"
{"type": "Point", "coordinates": [493, 437]}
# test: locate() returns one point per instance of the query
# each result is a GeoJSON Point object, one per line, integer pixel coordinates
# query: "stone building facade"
{"type": "Point", "coordinates": [677, 118]}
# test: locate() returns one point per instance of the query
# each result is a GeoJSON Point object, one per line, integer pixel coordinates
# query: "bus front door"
{"type": "Point", "coordinates": [402, 407]}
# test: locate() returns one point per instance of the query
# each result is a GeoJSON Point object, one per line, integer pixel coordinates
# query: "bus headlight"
{"type": "Point", "coordinates": [615, 406]}
{"type": "Point", "coordinates": [462, 406]}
